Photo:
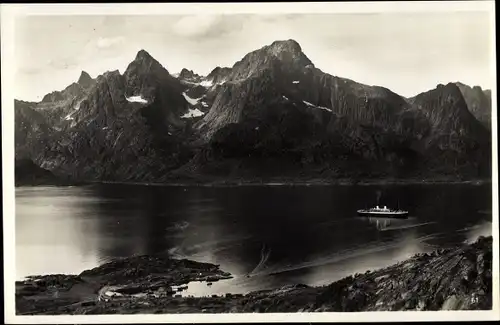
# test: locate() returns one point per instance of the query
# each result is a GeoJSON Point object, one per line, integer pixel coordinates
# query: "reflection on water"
{"type": "Point", "coordinates": [265, 236]}
{"type": "Point", "coordinates": [43, 242]}
{"type": "Point", "coordinates": [385, 224]}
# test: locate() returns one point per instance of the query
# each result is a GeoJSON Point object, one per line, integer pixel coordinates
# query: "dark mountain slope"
{"type": "Point", "coordinates": [478, 102]}
{"type": "Point", "coordinates": [31, 128]}
{"type": "Point", "coordinates": [146, 77]}
{"type": "Point", "coordinates": [457, 142]}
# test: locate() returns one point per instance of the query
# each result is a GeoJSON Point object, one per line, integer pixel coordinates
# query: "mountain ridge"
{"type": "Point", "coordinates": [271, 107]}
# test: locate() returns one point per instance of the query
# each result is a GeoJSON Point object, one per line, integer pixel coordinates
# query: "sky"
{"type": "Point", "coordinates": [406, 52]}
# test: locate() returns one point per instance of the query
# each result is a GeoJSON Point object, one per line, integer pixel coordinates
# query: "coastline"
{"type": "Point", "coordinates": [277, 182]}
{"type": "Point", "coordinates": [311, 182]}
{"type": "Point", "coordinates": [458, 278]}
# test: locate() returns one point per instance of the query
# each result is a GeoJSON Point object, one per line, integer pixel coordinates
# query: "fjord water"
{"type": "Point", "coordinates": [266, 236]}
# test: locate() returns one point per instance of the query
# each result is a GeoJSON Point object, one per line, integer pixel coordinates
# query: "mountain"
{"type": "Point", "coordinates": [275, 106]}
{"type": "Point", "coordinates": [272, 114]}
{"type": "Point", "coordinates": [456, 136]}
{"type": "Point", "coordinates": [448, 112]}
{"type": "Point", "coordinates": [125, 126]}
{"type": "Point", "coordinates": [31, 128]}
{"type": "Point", "coordinates": [85, 80]}
{"type": "Point", "coordinates": [200, 91]}
{"type": "Point", "coordinates": [218, 75]}
{"type": "Point", "coordinates": [478, 101]}
{"type": "Point", "coordinates": [189, 75]}
{"type": "Point", "coordinates": [281, 71]}
{"type": "Point", "coordinates": [59, 106]}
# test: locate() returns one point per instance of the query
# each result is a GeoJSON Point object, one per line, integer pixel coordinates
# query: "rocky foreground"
{"type": "Point", "coordinates": [447, 279]}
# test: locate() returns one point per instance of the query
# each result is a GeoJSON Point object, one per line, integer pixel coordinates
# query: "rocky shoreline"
{"type": "Point", "coordinates": [457, 278]}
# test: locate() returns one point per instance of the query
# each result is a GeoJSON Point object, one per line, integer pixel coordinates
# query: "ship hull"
{"type": "Point", "coordinates": [396, 215]}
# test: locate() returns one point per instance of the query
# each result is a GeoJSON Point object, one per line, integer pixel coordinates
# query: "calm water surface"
{"type": "Point", "coordinates": [276, 234]}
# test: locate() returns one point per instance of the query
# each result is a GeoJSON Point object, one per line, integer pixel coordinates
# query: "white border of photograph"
{"type": "Point", "coordinates": [10, 12]}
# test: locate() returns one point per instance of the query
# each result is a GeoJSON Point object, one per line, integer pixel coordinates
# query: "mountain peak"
{"type": "Point", "coordinates": [85, 80]}
{"type": "Point", "coordinates": [451, 89]}
{"type": "Point", "coordinates": [145, 62]}
{"type": "Point", "coordinates": [84, 76]}
{"type": "Point", "coordinates": [462, 85]}
{"type": "Point", "coordinates": [188, 74]}
{"type": "Point", "coordinates": [143, 55]}
{"type": "Point", "coordinates": [218, 70]}
{"type": "Point", "coordinates": [108, 73]}
{"type": "Point", "coordinates": [289, 45]}
{"type": "Point", "coordinates": [289, 51]}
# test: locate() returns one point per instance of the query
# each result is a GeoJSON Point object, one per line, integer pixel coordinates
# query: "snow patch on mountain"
{"type": "Point", "coordinates": [296, 82]}
{"type": "Point", "coordinates": [77, 106]}
{"type": "Point", "coordinates": [136, 99]}
{"type": "Point", "coordinates": [193, 113]}
{"type": "Point", "coordinates": [207, 83]}
{"type": "Point", "coordinates": [69, 117]}
{"type": "Point", "coordinates": [312, 105]}
{"type": "Point", "coordinates": [192, 101]}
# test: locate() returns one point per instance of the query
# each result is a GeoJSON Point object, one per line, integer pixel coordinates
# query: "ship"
{"type": "Point", "coordinates": [384, 212]}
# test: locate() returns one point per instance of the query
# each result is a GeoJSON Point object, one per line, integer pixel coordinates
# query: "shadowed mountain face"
{"type": "Point", "coordinates": [457, 138]}
{"type": "Point", "coordinates": [478, 101]}
{"type": "Point", "coordinates": [31, 128]}
{"type": "Point", "coordinates": [146, 77]}
{"type": "Point", "coordinates": [273, 114]}
{"type": "Point", "coordinates": [189, 75]}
